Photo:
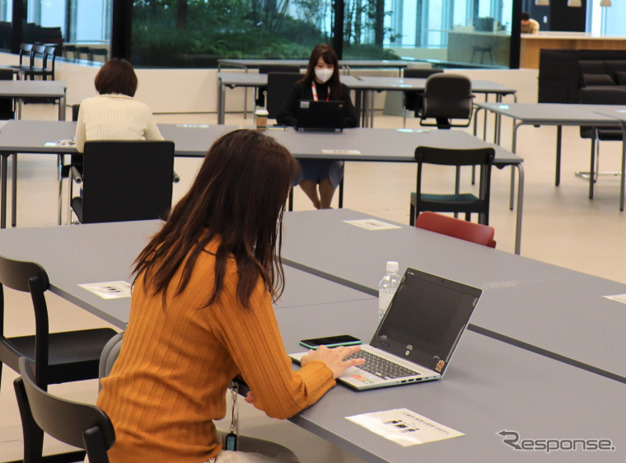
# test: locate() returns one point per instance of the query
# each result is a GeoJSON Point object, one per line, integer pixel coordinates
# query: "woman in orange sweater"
{"type": "Point", "coordinates": [201, 314]}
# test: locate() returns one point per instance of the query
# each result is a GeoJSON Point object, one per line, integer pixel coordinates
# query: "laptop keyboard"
{"type": "Point", "coordinates": [381, 367]}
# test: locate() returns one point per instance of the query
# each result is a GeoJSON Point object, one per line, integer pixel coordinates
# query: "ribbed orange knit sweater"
{"type": "Point", "coordinates": [169, 382]}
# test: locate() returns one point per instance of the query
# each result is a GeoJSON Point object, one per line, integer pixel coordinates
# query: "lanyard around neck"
{"type": "Point", "coordinates": [314, 90]}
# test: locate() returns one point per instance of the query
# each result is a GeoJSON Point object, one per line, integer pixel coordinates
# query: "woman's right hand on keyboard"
{"type": "Point", "coordinates": [335, 358]}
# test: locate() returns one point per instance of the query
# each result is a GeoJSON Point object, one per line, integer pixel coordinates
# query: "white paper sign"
{"type": "Point", "coordinates": [404, 427]}
{"type": "Point", "coordinates": [109, 289]}
{"type": "Point", "coordinates": [66, 142]}
{"type": "Point", "coordinates": [372, 224]}
{"type": "Point", "coordinates": [617, 298]}
{"type": "Point", "coordinates": [341, 151]}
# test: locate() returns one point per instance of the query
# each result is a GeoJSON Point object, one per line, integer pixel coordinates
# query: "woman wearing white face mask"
{"type": "Point", "coordinates": [320, 83]}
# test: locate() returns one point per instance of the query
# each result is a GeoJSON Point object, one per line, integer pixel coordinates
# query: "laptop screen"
{"type": "Point", "coordinates": [320, 115]}
{"type": "Point", "coordinates": [426, 318]}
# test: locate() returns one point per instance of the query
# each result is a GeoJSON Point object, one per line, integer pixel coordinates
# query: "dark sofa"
{"type": "Point", "coordinates": [562, 73]}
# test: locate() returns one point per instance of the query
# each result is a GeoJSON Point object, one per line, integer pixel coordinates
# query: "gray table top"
{"type": "Point", "coordinates": [111, 260]}
{"type": "Point", "coordinates": [379, 83]}
{"type": "Point", "coordinates": [617, 113]}
{"type": "Point", "coordinates": [194, 140]}
{"type": "Point", "coordinates": [548, 307]}
{"type": "Point", "coordinates": [553, 113]}
{"type": "Point", "coordinates": [390, 145]}
{"type": "Point", "coordinates": [32, 88]}
{"type": "Point", "coordinates": [490, 386]}
{"type": "Point", "coordinates": [32, 136]}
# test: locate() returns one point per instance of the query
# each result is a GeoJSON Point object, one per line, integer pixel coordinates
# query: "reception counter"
{"type": "Point", "coordinates": [531, 44]}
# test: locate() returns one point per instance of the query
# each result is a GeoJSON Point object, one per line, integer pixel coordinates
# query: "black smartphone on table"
{"type": "Point", "coordinates": [331, 341]}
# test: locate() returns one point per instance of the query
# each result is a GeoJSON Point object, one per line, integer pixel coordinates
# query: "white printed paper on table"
{"type": "Point", "coordinates": [339, 151]}
{"type": "Point", "coordinates": [372, 224]}
{"type": "Point", "coordinates": [617, 298]}
{"type": "Point", "coordinates": [404, 427]}
{"type": "Point", "coordinates": [109, 289]}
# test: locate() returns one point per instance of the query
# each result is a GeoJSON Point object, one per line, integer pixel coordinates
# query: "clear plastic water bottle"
{"type": "Point", "coordinates": [387, 287]}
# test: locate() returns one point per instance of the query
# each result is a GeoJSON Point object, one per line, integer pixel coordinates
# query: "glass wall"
{"type": "Point", "coordinates": [195, 33]}
{"type": "Point", "coordinates": [445, 32]}
{"type": "Point", "coordinates": [82, 26]}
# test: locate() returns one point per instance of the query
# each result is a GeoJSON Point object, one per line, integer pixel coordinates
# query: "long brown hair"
{"type": "Point", "coordinates": [239, 198]}
{"type": "Point", "coordinates": [329, 56]}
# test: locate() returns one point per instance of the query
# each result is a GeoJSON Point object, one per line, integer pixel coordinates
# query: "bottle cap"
{"type": "Point", "coordinates": [392, 266]}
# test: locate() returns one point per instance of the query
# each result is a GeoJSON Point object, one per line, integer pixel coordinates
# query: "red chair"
{"type": "Point", "coordinates": [469, 231]}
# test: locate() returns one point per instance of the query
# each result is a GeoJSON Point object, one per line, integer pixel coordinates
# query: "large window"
{"type": "Point", "coordinates": [195, 33]}
{"type": "Point", "coordinates": [82, 26]}
{"type": "Point", "coordinates": [446, 32]}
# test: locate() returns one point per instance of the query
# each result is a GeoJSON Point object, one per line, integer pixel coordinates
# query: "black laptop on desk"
{"type": "Point", "coordinates": [320, 116]}
{"type": "Point", "coordinates": [415, 340]}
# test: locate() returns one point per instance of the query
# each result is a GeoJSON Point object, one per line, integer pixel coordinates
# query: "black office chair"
{"type": "Point", "coordinates": [466, 203]}
{"type": "Point", "coordinates": [267, 69]}
{"type": "Point", "coordinates": [25, 57]}
{"type": "Point", "coordinates": [446, 97]}
{"type": "Point", "coordinates": [38, 53]}
{"type": "Point", "coordinates": [413, 100]}
{"type": "Point", "coordinates": [278, 86]}
{"type": "Point", "coordinates": [81, 425]}
{"type": "Point", "coordinates": [124, 180]}
{"type": "Point", "coordinates": [58, 357]}
{"type": "Point", "coordinates": [600, 95]}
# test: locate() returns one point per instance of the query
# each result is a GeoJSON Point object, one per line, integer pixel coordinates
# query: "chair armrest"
{"type": "Point", "coordinates": [75, 175]}
{"type": "Point", "coordinates": [176, 178]}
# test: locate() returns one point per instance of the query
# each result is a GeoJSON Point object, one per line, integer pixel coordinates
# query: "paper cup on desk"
{"type": "Point", "coordinates": [260, 116]}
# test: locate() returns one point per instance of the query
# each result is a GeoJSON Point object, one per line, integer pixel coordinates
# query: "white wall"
{"type": "Point", "coordinates": [195, 90]}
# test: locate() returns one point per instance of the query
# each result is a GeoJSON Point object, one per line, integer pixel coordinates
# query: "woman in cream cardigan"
{"type": "Point", "coordinates": [114, 114]}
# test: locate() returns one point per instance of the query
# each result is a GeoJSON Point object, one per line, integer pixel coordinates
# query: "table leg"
{"type": "Point", "coordinates": [365, 118]}
{"type": "Point", "coordinates": [341, 194]}
{"type": "Point", "coordinates": [513, 149]}
{"type": "Point", "coordinates": [497, 120]}
{"type": "Point", "coordinates": [245, 99]}
{"type": "Point", "coordinates": [485, 119]}
{"type": "Point", "coordinates": [559, 134]}
{"type": "Point", "coordinates": [14, 192]}
{"type": "Point", "coordinates": [520, 207]}
{"type": "Point", "coordinates": [19, 108]}
{"type": "Point", "coordinates": [621, 192]}
{"type": "Point", "coordinates": [372, 95]}
{"type": "Point", "coordinates": [62, 105]}
{"type": "Point", "coordinates": [3, 187]}
{"type": "Point", "coordinates": [358, 104]}
{"type": "Point", "coordinates": [594, 139]}
{"type": "Point", "coordinates": [60, 160]}
{"type": "Point", "coordinates": [221, 94]}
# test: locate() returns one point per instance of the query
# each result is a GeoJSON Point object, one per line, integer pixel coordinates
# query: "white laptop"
{"type": "Point", "coordinates": [415, 340]}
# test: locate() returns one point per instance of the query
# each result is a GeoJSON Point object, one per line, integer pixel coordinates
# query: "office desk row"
{"type": "Point", "coordinates": [21, 90]}
{"type": "Point", "coordinates": [492, 386]}
{"type": "Point", "coordinates": [559, 115]}
{"type": "Point", "coordinates": [548, 309]}
{"type": "Point", "coordinates": [378, 145]}
{"type": "Point", "coordinates": [364, 86]}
